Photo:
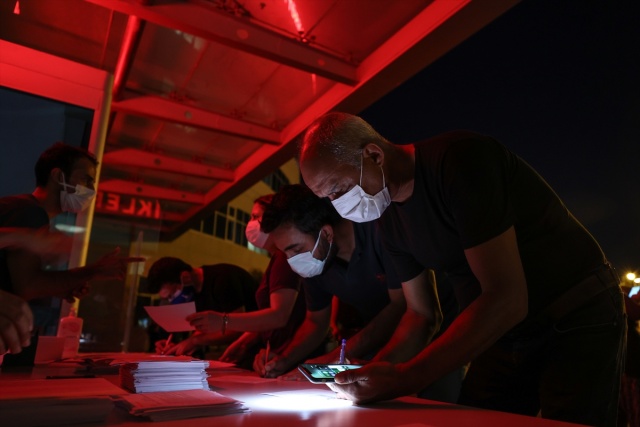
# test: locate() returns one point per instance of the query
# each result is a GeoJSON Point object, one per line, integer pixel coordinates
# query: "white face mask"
{"type": "Point", "coordinates": [305, 264]}
{"type": "Point", "coordinates": [254, 235]}
{"type": "Point", "coordinates": [358, 206]}
{"type": "Point", "coordinates": [78, 201]}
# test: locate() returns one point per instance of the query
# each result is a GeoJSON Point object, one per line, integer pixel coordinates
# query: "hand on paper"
{"type": "Point", "coordinates": [183, 348]}
{"type": "Point", "coordinates": [160, 346]}
{"type": "Point", "coordinates": [234, 353]}
{"type": "Point", "coordinates": [374, 382]}
{"type": "Point", "coordinates": [265, 370]}
{"type": "Point", "coordinates": [16, 323]}
{"type": "Point", "coordinates": [206, 321]}
{"type": "Point", "coordinates": [275, 366]}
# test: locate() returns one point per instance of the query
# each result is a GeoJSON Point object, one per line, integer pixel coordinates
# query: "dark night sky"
{"type": "Point", "coordinates": [558, 82]}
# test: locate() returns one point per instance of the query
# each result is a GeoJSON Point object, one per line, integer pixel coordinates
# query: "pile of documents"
{"type": "Point", "coordinates": [177, 405]}
{"type": "Point", "coordinates": [57, 402]}
{"type": "Point", "coordinates": [164, 375]}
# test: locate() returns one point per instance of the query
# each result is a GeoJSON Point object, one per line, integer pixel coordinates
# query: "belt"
{"type": "Point", "coordinates": [605, 277]}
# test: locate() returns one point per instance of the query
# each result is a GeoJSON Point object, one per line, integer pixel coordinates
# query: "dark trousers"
{"type": "Point", "coordinates": [568, 371]}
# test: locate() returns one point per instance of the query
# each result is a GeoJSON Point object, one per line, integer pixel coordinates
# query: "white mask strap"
{"type": "Point", "coordinates": [317, 242]}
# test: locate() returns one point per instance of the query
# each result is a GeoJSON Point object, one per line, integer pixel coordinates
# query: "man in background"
{"type": "Point", "coordinates": [225, 288]}
{"type": "Point", "coordinates": [65, 182]}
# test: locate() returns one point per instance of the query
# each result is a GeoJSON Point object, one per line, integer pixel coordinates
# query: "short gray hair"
{"type": "Point", "coordinates": [338, 137]}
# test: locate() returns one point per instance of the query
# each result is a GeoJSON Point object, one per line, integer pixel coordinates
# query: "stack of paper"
{"type": "Point", "coordinates": [151, 376]}
{"type": "Point", "coordinates": [109, 363]}
{"type": "Point", "coordinates": [58, 402]}
{"type": "Point", "coordinates": [176, 405]}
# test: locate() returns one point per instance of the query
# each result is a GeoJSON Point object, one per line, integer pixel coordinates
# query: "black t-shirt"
{"type": "Point", "coordinates": [225, 288]}
{"type": "Point", "coordinates": [468, 189]}
{"type": "Point", "coordinates": [18, 211]}
{"type": "Point", "coordinates": [280, 276]}
{"type": "Point", "coordinates": [363, 282]}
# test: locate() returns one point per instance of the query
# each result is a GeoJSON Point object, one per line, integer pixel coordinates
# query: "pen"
{"type": "Point", "coordinates": [167, 344]}
{"type": "Point", "coordinates": [342, 348]}
{"type": "Point", "coordinates": [266, 354]}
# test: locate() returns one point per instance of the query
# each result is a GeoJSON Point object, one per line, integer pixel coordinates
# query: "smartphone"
{"type": "Point", "coordinates": [634, 291]}
{"type": "Point", "coordinates": [321, 373]}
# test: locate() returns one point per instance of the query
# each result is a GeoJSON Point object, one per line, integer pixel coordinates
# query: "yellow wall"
{"type": "Point", "coordinates": [198, 249]}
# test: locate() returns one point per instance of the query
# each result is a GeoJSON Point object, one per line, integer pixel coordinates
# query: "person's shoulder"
{"type": "Point", "coordinates": [228, 270]}
{"type": "Point", "coordinates": [223, 266]}
{"type": "Point", "coordinates": [22, 210]}
{"type": "Point", "coordinates": [19, 200]}
{"type": "Point", "coordinates": [458, 144]}
{"type": "Point", "coordinates": [452, 138]}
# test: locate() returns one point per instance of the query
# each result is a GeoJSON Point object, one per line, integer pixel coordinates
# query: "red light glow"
{"type": "Point", "coordinates": [293, 11]}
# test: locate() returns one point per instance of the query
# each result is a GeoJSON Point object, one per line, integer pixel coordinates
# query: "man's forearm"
{"type": "Point", "coordinates": [215, 338]}
{"type": "Point", "coordinates": [413, 334]}
{"type": "Point", "coordinates": [472, 332]}
{"type": "Point", "coordinates": [307, 338]}
{"type": "Point", "coordinates": [30, 281]}
{"type": "Point", "coordinates": [376, 333]}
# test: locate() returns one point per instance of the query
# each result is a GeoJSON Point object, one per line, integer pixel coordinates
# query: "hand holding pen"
{"type": "Point", "coordinates": [167, 344]}
{"type": "Point", "coordinates": [343, 347]}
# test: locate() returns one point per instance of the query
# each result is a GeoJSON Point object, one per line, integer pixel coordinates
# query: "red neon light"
{"type": "Point", "coordinates": [293, 11]}
{"type": "Point", "coordinates": [131, 206]}
{"type": "Point", "coordinates": [16, 8]}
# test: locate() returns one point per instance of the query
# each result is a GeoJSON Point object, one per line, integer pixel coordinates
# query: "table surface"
{"type": "Point", "coordinates": [297, 409]}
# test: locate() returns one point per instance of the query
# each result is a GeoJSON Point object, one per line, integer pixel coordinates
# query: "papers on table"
{"type": "Point", "coordinates": [171, 318]}
{"type": "Point", "coordinates": [109, 363]}
{"type": "Point", "coordinates": [244, 379]}
{"type": "Point", "coordinates": [153, 376]}
{"type": "Point", "coordinates": [49, 349]}
{"type": "Point", "coordinates": [56, 402]}
{"type": "Point", "coordinates": [174, 405]}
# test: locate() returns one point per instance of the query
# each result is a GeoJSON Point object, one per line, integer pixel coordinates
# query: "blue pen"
{"type": "Point", "coordinates": [342, 348]}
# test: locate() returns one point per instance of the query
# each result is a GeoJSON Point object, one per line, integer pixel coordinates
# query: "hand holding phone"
{"type": "Point", "coordinates": [323, 373]}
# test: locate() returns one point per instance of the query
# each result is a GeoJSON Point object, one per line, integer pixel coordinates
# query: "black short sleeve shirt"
{"type": "Point", "coordinates": [363, 282]}
{"type": "Point", "coordinates": [468, 188]}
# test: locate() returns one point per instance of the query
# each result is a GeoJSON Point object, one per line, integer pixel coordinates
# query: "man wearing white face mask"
{"type": "Point", "coordinates": [225, 288]}
{"type": "Point", "coordinates": [280, 299]}
{"type": "Point", "coordinates": [337, 258]}
{"type": "Point", "coordinates": [65, 182]}
{"type": "Point", "coordinates": [466, 206]}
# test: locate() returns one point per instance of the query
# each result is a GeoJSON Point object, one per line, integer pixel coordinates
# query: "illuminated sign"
{"type": "Point", "coordinates": [122, 204]}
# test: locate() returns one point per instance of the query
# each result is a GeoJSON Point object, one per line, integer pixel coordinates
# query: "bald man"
{"type": "Point", "coordinates": [543, 317]}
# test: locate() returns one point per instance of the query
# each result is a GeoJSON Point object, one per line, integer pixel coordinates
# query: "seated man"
{"type": "Point", "coordinates": [220, 287]}
{"type": "Point", "coordinates": [342, 258]}
{"type": "Point", "coordinates": [65, 182]}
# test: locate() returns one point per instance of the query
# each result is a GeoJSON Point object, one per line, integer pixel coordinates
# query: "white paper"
{"type": "Point", "coordinates": [244, 379]}
{"type": "Point", "coordinates": [49, 349]}
{"type": "Point", "coordinates": [171, 317]}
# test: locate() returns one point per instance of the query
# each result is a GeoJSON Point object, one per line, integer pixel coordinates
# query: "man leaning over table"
{"type": "Point", "coordinates": [547, 331]}
{"type": "Point", "coordinates": [221, 287]}
{"type": "Point", "coordinates": [358, 271]}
